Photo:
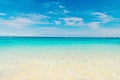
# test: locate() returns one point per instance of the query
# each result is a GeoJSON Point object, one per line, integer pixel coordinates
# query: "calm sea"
{"type": "Point", "coordinates": [35, 58]}
{"type": "Point", "coordinates": [78, 45]}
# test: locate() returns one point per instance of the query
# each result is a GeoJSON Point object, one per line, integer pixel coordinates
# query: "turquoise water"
{"type": "Point", "coordinates": [83, 44]}
{"type": "Point", "coordinates": [25, 47]}
{"type": "Point", "coordinates": [60, 42]}
{"type": "Point", "coordinates": [35, 58]}
{"type": "Point", "coordinates": [56, 41]}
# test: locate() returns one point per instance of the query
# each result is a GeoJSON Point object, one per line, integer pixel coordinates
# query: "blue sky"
{"type": "Point", "coordinates": [60, 18]}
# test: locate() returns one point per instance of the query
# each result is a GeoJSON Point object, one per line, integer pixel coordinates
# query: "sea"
{"type": "Point", "coordinates": [59, 58]}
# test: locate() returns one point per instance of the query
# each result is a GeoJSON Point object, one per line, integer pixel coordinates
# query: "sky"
{"type": "Point", "coordinates": [60, 18]}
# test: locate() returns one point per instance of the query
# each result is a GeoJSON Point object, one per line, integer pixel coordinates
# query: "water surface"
{"type": "Point", "coordinates": [37, 58]}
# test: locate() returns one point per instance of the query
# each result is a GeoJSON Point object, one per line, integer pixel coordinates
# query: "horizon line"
{"type": "Point", "coordinates": [54, 37]}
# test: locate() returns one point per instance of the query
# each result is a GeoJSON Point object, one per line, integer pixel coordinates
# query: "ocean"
{"type": "Point", "coordinates": [59, 58]}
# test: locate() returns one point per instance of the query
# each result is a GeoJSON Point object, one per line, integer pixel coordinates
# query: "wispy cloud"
{"type": "Point", "coordinates": [15, 34]}
{"type": "Point", "coordinates": [103, 18]}
{"type": "Point", "coordinates": [56, 31]}
{"type": "Point", "coordinates": [23, 20]}
{"type": "Point", "coordinates": [17, 22]}
{"type": "Point", "coordinates": [56, 8]}
{"type": "Point", "coordinates": [34, 16]}
{"type": "Point", "coordinates": [57, 22]}
{"type": "Point", "coordinates": [2, 14]}
{"type": "Point", "coordinates": [93, 25]}
{"type": "Point", "coordinates": [73, 21]}
{"type": "Point", "coordinates": [39, 17]}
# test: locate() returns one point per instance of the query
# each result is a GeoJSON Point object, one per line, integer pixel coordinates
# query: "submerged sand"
{"type": "Point", "coordinates": [92, 68]}
{"type": "Point", "coordinates": [60, 63]}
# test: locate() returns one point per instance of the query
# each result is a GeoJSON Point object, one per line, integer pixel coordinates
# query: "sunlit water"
{"type": "Point", "coordinates": [59, 58]}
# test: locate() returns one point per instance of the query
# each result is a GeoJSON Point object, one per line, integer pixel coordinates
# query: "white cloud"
{"type": "Point", "coordinates": [73, 21]}
{"type": "Point", "coordinates": [21, 20]}
{"type": "Point", "coordinates": [14, 34]}
{"type": "Point", "coordinates": [57, 32]}
{"type": "Point", "coordinates": [105, 32]}
{"type": "Point", "coordinates": [24, 20]}
{"type": "Point", "coordinates": [17, 22]}
{"type": "Point", "coordinates": [34, 16]}
{"type": "Point", "coordinates": [63, 9]}
{"type": "Point", "coordinates": [61, 6]}
{"type": "Point", "coordinates": [104, 18]}
{"type": "Point", "coordinates": [52, 12]}
{"type": "Point", "coordinates": [59, 12]}
{"type": "Point", "coordinates": [93, 25]}
{"type": "Point", "coordinates": [2, 14]}
{"type": "Point", "coordinates": [56, 8]}
{"type": "Point", "coordinates": [38, 18]}
{"type": "Point", "coordinates": [57, 22]}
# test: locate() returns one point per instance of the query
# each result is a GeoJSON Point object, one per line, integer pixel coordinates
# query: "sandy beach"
{"type": "Point", "coordinates": [92, 68]}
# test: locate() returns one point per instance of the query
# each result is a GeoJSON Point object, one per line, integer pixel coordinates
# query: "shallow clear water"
{"type": "Point", "coordinates": [59, 58]}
